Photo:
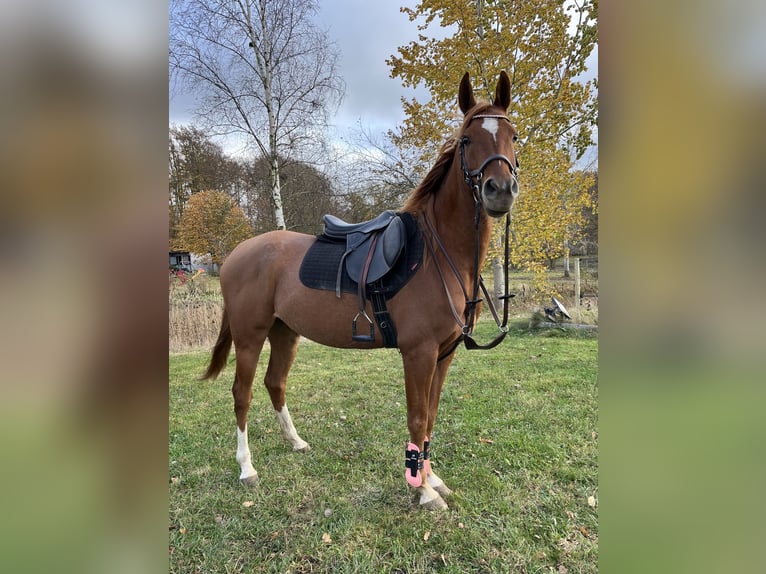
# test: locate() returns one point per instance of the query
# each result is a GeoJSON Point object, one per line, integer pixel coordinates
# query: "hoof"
{"type": "Point", "coordinates": [443, 490]}
{"type": "Point", "coordinates": [251, 480]}
{"type": "Point", "coordinates": [434, 504]}
{"type": "Point", "coordinates": [302, 447]}
{"type": "Point", "coordinates": [430, 500]}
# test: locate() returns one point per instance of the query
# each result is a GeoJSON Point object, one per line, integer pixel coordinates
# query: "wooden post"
{"type": "Point", "coordinates": [498, 280]}
{"type": "Point", "coordinates": [577, 287]}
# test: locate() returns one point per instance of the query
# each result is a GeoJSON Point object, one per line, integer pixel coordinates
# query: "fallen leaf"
{"type": "Point", "coordinates": [592, 501]}
{"type": "Point", "coordinates": [248, 503]}
{"type": "Point", "coordinates": [486, 440]}
{"type": "Point", "coordinates": [427, 535]}
{"type": "Point", "coordinates": [326, 538]}
{"type": "Point", "coordinates": [562, 569]}
{"type": "Point", "coordinates": [274, 534]}
{"type": "Point", "coordinates": [584, 531]}
{"type": "Point", "coordinates": [182, 530]}
{"type": "Point", "coordinates": [174, 480]}
{"type": "Point", "coordinates": [460, 525]}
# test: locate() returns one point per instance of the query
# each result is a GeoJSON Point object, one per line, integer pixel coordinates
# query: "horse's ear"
{"type": "Point", "coordinates": [465, 95]}
{"type": "Point", "coordinates": [503, 91]}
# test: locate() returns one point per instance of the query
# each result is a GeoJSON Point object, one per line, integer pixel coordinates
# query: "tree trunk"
{"type": "Point", "coordinates": [276, 193]}
{"type": "Point", "coordinates": [267, 66]}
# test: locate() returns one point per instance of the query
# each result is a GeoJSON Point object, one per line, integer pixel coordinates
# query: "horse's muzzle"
{"type": "Point", "coordinates": [498, 194]}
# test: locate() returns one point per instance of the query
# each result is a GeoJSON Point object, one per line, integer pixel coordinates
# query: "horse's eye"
{"type": "Point", "coordinates": [515, 138]}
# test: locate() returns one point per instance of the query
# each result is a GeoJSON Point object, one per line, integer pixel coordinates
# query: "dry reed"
{"type": "Point", "coordinates": [195, 304]}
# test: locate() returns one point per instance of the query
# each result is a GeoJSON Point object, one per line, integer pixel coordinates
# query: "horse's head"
{"type": "Point", "coordinates": [487, 154]}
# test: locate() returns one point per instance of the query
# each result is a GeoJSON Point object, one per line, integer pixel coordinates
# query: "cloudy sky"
{"type": "Point", "coordinates": [366, 36]}
{"type": "Point", "coordinates": [367, 33]}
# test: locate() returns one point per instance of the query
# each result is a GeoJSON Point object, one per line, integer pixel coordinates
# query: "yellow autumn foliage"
{"type": "Point", "coordinates": [212, 223]}
{"type": "Point", "coordinates": [543, 45]}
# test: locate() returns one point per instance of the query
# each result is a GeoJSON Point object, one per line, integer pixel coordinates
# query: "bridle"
{"type": "Point", "coordinates": [473, 179]}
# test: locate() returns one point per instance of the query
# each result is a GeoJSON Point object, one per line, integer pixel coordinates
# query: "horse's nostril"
{"type": "Point", "coordinates": [491, 187]}
{"type": "Point", "coordinates": [494, 187]}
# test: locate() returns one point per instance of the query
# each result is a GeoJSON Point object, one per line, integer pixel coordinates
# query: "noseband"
{"type": "Point", "coordinates": [473, 177]}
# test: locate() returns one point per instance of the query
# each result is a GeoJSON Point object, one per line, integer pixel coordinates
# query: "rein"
{"type": "Point", "coordinates": [466, 327]}
{"type": "Point", "coordinates": [473, 180]}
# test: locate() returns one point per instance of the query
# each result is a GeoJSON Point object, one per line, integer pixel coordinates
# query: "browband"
{"type": "Point", "coordinates": [497, 116]}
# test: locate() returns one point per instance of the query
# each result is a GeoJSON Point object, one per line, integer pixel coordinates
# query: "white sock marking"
{"type": "Point", "coordinates": [288, 429]}
{"type": "Point", "coordinates": [244, 458]}
{"type": "Point", "coordinates": [434, 480]}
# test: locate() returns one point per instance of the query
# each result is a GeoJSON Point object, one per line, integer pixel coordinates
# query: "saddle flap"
{"type": "Point", "coordinates": [387, 250]}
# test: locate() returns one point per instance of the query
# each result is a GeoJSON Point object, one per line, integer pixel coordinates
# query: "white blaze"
{"type": "Point", "coordinates": [491, 125]}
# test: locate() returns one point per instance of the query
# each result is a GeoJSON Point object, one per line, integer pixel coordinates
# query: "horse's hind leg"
{"type": "Point", "coordinates": [247, 361]}
{"type": "Point", "coordinates": [284, 346]}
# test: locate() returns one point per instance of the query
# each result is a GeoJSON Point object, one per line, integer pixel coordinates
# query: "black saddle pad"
{"type": "Point", "coordinates": [319, 269]}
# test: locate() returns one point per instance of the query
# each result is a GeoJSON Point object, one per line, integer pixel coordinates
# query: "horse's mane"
{"type": "Point", "coordinates": [432, 181]}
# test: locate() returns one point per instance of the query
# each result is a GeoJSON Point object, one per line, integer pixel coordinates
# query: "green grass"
{"type": "Point", "coordinates": [516, 440]}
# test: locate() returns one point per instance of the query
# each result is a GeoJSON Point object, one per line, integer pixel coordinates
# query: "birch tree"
{"type": "Point", "coordinates": [258, 68]}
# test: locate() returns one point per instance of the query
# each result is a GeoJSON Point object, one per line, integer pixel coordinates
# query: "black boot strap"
{"type": "Point", "coordinates": [413, 461]}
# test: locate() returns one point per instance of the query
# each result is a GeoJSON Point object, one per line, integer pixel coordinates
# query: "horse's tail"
{"type": "Point", "coordinates": [220, 351]}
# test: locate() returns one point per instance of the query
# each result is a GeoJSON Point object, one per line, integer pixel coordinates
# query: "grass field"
{"type": "Point", "coordinates": [516, 440]}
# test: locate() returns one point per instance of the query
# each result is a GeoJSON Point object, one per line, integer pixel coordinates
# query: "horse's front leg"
{"type": "Point", "coordinates": [419, 371]}
{"type": "Point", "coordinates": [435, 394]}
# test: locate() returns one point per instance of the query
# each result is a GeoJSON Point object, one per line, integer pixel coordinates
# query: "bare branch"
{"type": "Point", "coordinates": [259, 68]}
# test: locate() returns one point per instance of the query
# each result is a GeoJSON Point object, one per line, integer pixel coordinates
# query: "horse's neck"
{"type": "Point", "coordinates": [453, 213]}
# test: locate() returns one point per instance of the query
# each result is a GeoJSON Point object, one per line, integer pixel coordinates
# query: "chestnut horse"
{"type": "Point", "coordinates": [472, 181]}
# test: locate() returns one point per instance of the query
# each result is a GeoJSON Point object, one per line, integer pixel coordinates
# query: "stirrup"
{"type": "Point", "coordinates": [362, 338]}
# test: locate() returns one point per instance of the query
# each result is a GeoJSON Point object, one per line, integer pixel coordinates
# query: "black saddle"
{"type": "Point", "coordinates": [373, 259]}
{"type": "Point", "coordinates": [372, 247]}
{"type": "Point", "coordinates": [336, 228]}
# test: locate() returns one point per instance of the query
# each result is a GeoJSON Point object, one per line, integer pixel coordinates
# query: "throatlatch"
{"type": "Point", "coordinates": [413, 462]}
